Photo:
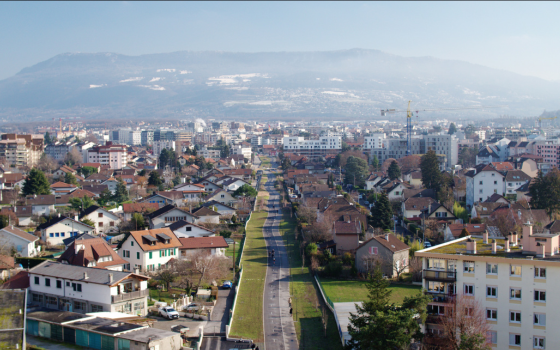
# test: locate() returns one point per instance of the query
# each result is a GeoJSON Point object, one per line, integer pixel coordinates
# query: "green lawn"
{"type": "Point", "coordinates": [248, 318]}
{"type": "Point", "coordinates": [166, 296]}
{"type": "Point", "coordinates": [346, 291]}
{"type": "Point", "coordinates": [229, 250]}
{"type": "Point", "coordinates": [305, 298]}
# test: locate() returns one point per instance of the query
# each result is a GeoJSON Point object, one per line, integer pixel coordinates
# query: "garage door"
{"type": "Point", "coordinates": [44, 329]}
{"type": "Point", "coordinates": [94, 340]}
{"type": "Point", "coordinates": [32, 327]}
{"type": "Point", "coordinates": [107, 343]}
{"type": "Point", "coordinates": [69, 335]}
{"type": "Point", "coordinates": [82, 338]}
{"type": "Point", "coordinates": [56, 332]}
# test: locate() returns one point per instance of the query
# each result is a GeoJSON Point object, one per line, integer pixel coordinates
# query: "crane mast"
{"type": "Point", "coordinates": [408, 130]}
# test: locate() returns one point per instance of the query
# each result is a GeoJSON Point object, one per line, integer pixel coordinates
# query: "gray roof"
{"type": "Point", "coordinates": [147, 335]}
{"type": "Point", "coordinates": [72, 272]}
{"type": "Point", "coordinates": [57, 316]}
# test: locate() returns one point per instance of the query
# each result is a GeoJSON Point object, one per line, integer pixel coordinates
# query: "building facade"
{"type": "Point", "coordinates": [113, 155]}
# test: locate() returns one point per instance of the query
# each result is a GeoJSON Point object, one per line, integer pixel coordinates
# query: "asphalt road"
{"type": "Point", "coordinates": [279, 330]}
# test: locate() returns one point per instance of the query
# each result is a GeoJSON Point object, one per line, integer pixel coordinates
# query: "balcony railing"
{"type": "Point", "coordinates": [437, 275]}
{"type": "Point", "coordinates": [441, 298]}
{"type": "Point", "coordinates": [129, 296]}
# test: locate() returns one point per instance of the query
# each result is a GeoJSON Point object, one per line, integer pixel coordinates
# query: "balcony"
{"type": "Point", "coordinates": [129, 296]}
{"type": "Point", "coordinates": [440, 275]}
{"type": "Point", "coordinates": [441, 298]}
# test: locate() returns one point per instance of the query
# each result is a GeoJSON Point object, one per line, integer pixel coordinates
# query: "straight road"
{"type": "Point", "coordinates": [279, 330]}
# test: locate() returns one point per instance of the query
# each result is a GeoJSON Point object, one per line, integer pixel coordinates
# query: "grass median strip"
{"type": "Point", "coordinates": [305, 298]}
{"type": "Point", "coordinates": [248, 318]}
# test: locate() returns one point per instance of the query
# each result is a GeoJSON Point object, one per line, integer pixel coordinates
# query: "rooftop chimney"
{"type": "Point", "coordinates": [485, 237]}
{"type": "Point", "coordinates": [110, 278]}
{"type": "Point", "coordinates": [494, 248]}
{"type": "Point", "coordinates": [85, 276]}
{"type": "Point", "coordinates": [471, 246]}
{"type": "Point", "coordinates": [507, 246]}
{"type": "Point", "coordinates": [514, 238]}
{"type": "Point", "coordinates": [387, 237]}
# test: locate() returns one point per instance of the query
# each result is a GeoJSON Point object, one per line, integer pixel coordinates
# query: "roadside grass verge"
{"type": "Point", "coordinates": [306, 301]}
{"type": "Point", "coordinates": [248, 319]}
{"type": "Point", "coordinates": [340, 291]}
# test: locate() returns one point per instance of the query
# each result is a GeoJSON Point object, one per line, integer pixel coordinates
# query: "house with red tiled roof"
{"type": "Point", "coordinates": [386, 249]}
{"type": "Point", "coordinates": [92, 252]}
{"type": "Point", "coordinates": [60, 188]}
{"type": "Point", "coordinates": [202, 245]}
{"type": "Point", "coordinates": [150, 250]}
{"type": "Point", "coordinates": [62, 171]}
{"type": "Point", "coordinates": [453, 231]}
{"type": "Point", "coordinates": [346, 235]}
{"type": "Point", "coordinates": [19, 281]}
{"type": "Point", "coordinates": [143, 208]}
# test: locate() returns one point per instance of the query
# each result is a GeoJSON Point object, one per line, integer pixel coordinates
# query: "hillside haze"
{"type": "Point", "coordinates": [349, 84]}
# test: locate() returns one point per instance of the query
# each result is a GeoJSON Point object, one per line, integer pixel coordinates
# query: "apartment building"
{"type": "Point", "coordinates": [21, 150]}
{"type": "Point", "coordinates": [160, 145]}
{"type": "Point", "coordinates": [242, 149]}
{"type": "Point", "coordinates": [113, 155]}
{"type": "Point", "coordinates": [58, 150]}
{"type": "Point", "coordinates": [443, 144]}
{"type": "Point", "coordinates": [80, 289]}
{"type": "Point", "coordinates": [146, 137]}
{"type": "Point", "coordinates": [374, 141]}
{"type": "Point", "coordinates": [482, 182]}
{"type": "Point", "coordinates": [512, 279]}
{"type": "Point", "coordinates": [313, 148]}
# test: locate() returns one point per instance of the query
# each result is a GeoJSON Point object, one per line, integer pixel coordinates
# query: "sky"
{"type": "Point", "coordinates": [521, 37]}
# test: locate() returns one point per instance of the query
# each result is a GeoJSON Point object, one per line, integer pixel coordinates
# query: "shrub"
{"type": "Point", "coordinates": [152, 283]}
{"type": "Point", "coordinates": [333, 269]}
{"type": "Point", "coordinates": [225, 233]}
{"type": "Point", "coordinates": [311, 249]}
{"type": "Point", "coordinates": [347, 258]}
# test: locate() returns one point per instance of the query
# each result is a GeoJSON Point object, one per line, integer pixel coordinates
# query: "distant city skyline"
{"type": "Point", "coordinates": [521, 37]}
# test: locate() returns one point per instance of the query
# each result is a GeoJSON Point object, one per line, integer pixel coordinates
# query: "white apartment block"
{"type": "Point", "coordinates": [374, 141]}
{"type": "Point", "coordinates": [113, 155]}
{"type": "Point", "coordinates": [121, 136]}
{"type": "Point", "coordinates": [160, 145]}
{"type": "Point", "coordinates": [80, 289]}
{"type": "Point", "coordinates": [443, 144]}
{"type": "Point", "coordinates": [134, 138]}
{"type": "Point", "coordinates": [240, 149]}
{"type": "Point", "coordinates": [482, 182]}
{"type": "Point", "coordinates": [312, 148]}
{"type": "Point", "coordinates": [21, 150]}
{"type": "Point", "coordinates": [514, 280]}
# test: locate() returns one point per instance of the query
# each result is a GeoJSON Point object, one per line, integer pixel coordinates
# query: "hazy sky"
{"type": "Point", "coordinates": [523, 37]}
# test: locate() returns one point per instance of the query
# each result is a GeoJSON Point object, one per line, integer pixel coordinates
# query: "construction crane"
{"type": "Point", "coordinates": [409, 118]}
{"type": "Point", "coordinates": [541, 119]}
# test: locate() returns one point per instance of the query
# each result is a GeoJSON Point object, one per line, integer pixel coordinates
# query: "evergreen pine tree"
{"type": "Point", "coordinates": [452, 129]}
{"type": "Point", "coordinates": [375, 163]}
{"type": "Point", "coordinates": [431, 175]}
{"type": "Point", "coordinates": [121, 193]}
{"type": "Point", "coordinates": [382, 213]}
{"type": "Point", "coordinates": [394, 172]}
{"type": "Point", "coordinates": [36, 183]}
{"type": "Point", "coordinates": [70, 179]}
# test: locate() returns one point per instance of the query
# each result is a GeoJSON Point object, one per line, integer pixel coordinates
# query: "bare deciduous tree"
{"type": "Point", "coordinates": [467, 318]}
{"type": "Point", "coordinates": [47, 163]}
{"type": "Point", "coordinates": [415, 268]}
{"type": "Point", "coordinates": [503, 221]}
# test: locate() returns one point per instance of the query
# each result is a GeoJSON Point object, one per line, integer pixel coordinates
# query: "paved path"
{"type": "Point", "coordinates": [220, 314]}
{"type": "Point", "coordinates": [279, 330]}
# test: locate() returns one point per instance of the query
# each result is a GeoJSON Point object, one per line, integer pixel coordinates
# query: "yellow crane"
{"type": "Point", "coordinates": [542, 118]}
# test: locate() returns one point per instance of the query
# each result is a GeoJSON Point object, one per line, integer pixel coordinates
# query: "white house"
{"type": "Point", "coordinates": [231, 184]}
{"type": "Point", "coordinates": [222, 209]}
{"type": "Point", "coordinates": [24, 243]}
{"type": "Point", "coordinates": [207, 215]}
{"type": "Point", "coordinates": [209, 186]}
{"type": "Point", "coordinates": [482, 182]}
{"type": "Point", "coordinates": [87, 289]}
{"type": "Point", "coordinates": [183, 229]}
{"type": "Point", "coordinates": [169, 214]}
{"type": "Point", "coordinates": [222, 196]}
{"type": "Point", "coordinates": [150, 250]}
{"type": "Point", "coordinates": [60, 188]}
{"type": "Point", "coordinates": [165, 198]}
{"type": "Point", "coordinates": [61, 227]}
{"type": "Point", "coordinates": [105, 221]}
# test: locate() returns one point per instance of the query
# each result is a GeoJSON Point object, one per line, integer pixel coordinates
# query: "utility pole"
{"type": "Point", "coordinates": [234, 261]}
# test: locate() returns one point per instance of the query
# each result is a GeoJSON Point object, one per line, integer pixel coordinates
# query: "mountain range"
{"type": "Point", "coordinates": [342, 85]}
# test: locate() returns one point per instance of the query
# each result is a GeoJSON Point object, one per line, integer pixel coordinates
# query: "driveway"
{"type": "Point", "coordinates": [220, 315]}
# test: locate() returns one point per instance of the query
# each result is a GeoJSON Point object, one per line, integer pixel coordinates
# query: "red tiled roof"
{"type": "Point", "coordinates": [203, 242]}
{"type": "Point", "coordinates": [19, 281]}
{"type": "Point", "coordinates": [139, 207]}
{"type": "Point", "coordinates": [62, 184]}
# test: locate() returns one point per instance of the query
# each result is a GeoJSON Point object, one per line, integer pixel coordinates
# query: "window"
{"type": "Point", "coordinates": [96, 308]}
{"type": "Point", "coordinates": [112, 223]}
{"type": "Point", "coordinates": [480, 183]}
{"type": "Point", "coordinates": [126, 253]}
{"type": "Point", "coordinates": [36, 280]}
{"type": "Point", "coordinates": [56, 234]}
{"type": "Point", "coordinates": [539, 319]}
{"type": "Point", "coordinates": [436, 310]}
{"type": "Point", "coordinates": [492, 337]}
{"type": "Point", "coordinates": [492, 314]}
{"type": "Point", "coordinates": [495, 182]}
{"type": "Point", "coordinates": [515, 316]}
{"type": "Point", "coordinates": [540, 295]}
{"type": "Point", "coordinates": [67, 284]}
{"type": "Point", "coordinates": [51, 234]}
{"type": "Point", "coordinates": [540, 272]}
{"type": "Point", "coordinates": [99, 215]}
{"type": "Point", "coordinates": [189, 228]}
{"type": "Point", "coordinates": [491, 292]}
{"type": "Point", "coordinates": [469, 311]}
{"type": "Point", "coordinates": [100, 224]}
{"type": "Point", "coordinates": [468, 266]}
{"type": "Point", "coordinates": [77, 287]}
{"type": "Point", "coordinates": [491, 269]}
{"type": "Point", "coordinates": [469, 289]}
{"type": "Point", "coordinates": [138, 255]}
{"type": "Point", "coordinates": [515, 293]}
{"type": "Point", "coordinates": [515, 270]}
{"type": "Point", "coordinates": [132, 243]}
{"type": "Point", "coordinates": [438, 287]}
{"type": "Point", "coordinates": [58, 284]}
{"type": "Point", "coordinates": [47, 282]}
{"type": "Point", "coordinates": [515, 339]}
{"type": "Point", "coordinates": [538, 343]}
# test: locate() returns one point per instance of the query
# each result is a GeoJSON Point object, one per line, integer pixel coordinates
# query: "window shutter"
{"type": "Point", "coordinates": [511, 339]}
{"type": "Point", "coordinates": [542, 320]}
{"type": "Point", "coordinates": [489, 337]}
{"type": "Point", "coordinates": [160, 253]}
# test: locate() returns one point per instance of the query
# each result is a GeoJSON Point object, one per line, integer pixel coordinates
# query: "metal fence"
{"type": "Point", "coordinates": [331, 307]}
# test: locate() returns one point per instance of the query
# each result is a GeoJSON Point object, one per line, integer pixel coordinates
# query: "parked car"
{"type": "Point", "coordinates": [193, 307]}
{"type": "Point", "coordinates": [427, 244]}
{"type": "Point", "coordinates": [168, 312]}
{"type": "Point", "coordinates": [227, 284]}
{"type": "Point", "coordinates": [366, 202]}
